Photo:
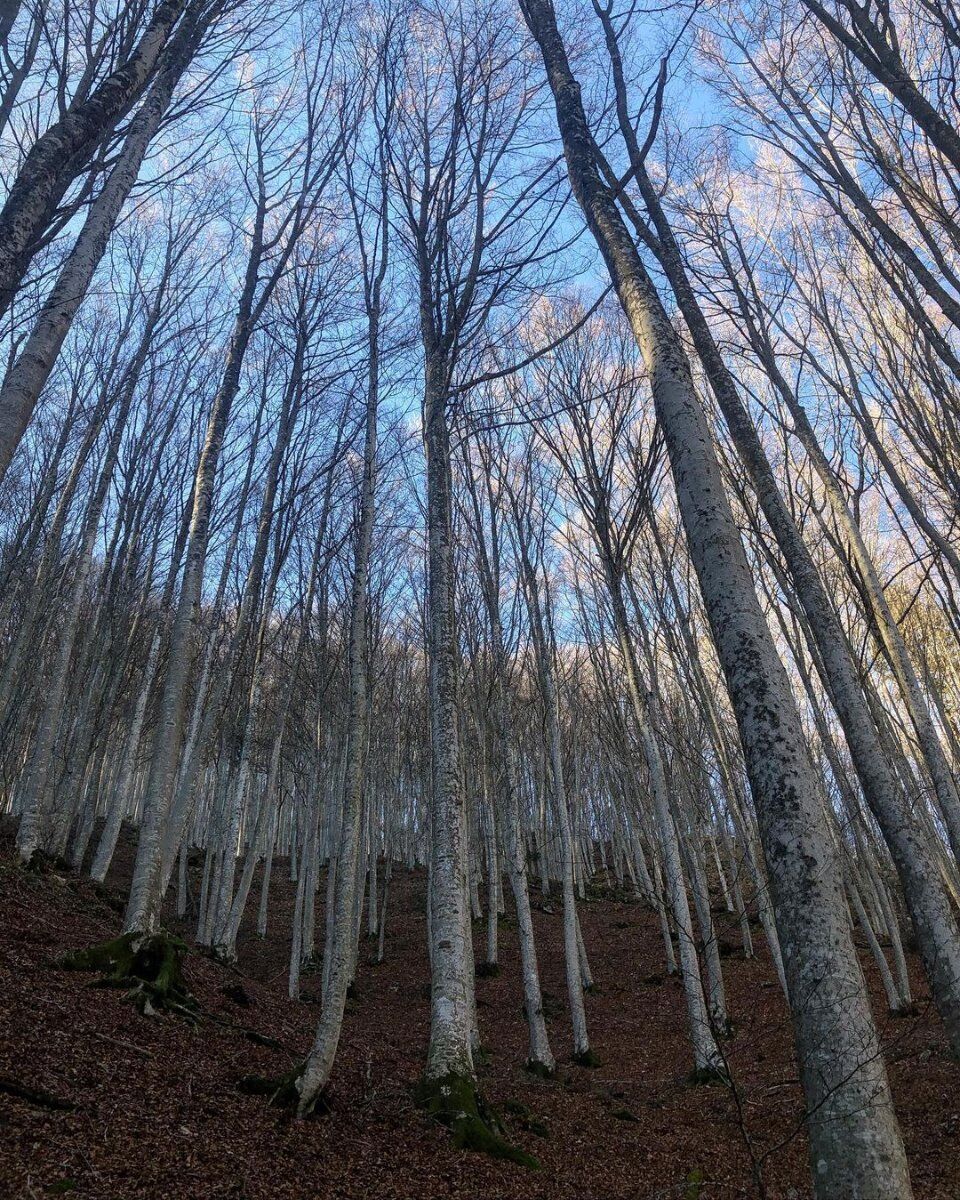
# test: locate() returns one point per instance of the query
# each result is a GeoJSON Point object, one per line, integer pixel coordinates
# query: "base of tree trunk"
{"type": "Point", "coordinates": [707, 1076]}
{"type": "Point", "coordinates": [41, 862]}
{"type": "Point", "coordinates": [224, 955]}
{"type": "Point", "coordinates": [541, 1070]}
{"type": "Point", "coordinates": [282, 1091]}
{"type": "Point", "coordinates": [149, 964]}
{"type": "Point", "coordinates": [586, 1058]}
{"type": "Point", "coordinates": [454, 1101]}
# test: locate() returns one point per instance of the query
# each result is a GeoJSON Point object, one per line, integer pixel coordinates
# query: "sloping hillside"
{"type": "Point", "coordinates": [98, 1101]}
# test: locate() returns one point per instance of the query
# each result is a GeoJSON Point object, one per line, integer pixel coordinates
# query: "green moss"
{"type": "Point", "coordinates": [454, 1101]}
{"type": "Point", "coordinates": [541, 1070]}
{"type": "Point", "coordinates": [150, 965]}
{"type": "Point", "coordinates": [694, 1182]}
{"type": "Point", "coordinates": [586, 1058]}
{"type": "Point", "coordinates": [487, 970]}
{"type": "Point", "coordinates": [623, 1114]}
{"type": "Point", "coordinates": [42, 863]}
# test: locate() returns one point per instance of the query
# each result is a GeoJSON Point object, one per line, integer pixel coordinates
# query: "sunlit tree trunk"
{"type": "Point", "coordinates": [856, 1148]}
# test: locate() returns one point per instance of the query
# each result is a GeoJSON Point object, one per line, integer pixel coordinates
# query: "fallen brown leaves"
{"type": "Point", "coordinates": [158, 1112]}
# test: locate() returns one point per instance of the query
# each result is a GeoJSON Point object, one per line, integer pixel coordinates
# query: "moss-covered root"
{"type": "Point", "coordinates": [454, 1101]}
{"type": "Point", "coordinates": [149, 964]}
{"type": "Point", "coordinates": [587, 1058]}
{"type": "Point", "coordinates": [542, 1070]}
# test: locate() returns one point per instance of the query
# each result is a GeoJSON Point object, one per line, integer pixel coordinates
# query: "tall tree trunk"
{"type": "Point", "coordinates": [339, 963]}
{"type": "Point", "coordinates": [855, 1142]}
{"type": "Point", "coordinates": [450, 1052]}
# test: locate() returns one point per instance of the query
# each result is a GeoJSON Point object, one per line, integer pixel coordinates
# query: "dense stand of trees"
{"type": "Point", "coordinates": [427, 439]}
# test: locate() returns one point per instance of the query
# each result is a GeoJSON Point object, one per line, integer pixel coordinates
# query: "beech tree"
{"type": "Point", "coordinates": [519, 446]}
{"type": "Point", "coordinates": [843, 1074]}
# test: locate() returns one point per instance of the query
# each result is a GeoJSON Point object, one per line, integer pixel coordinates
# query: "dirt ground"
{"type": "Point", "coordinates": [115, 1105]}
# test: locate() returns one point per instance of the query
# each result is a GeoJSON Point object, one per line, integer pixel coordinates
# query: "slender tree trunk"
{"type": "Point", "coordinates": [59, 155]}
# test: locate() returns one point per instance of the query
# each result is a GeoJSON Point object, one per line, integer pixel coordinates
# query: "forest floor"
{"type": "Point", "coordinates": [120, 1105]}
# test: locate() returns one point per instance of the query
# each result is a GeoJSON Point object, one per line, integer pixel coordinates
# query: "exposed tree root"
{"type": "Point", "coordinates": [149, 964]}
{"type": "Point", "coordinates": [282, 1091]}
{"type": "Point", "coordinates": [525, 1118]}
{"type": "Point", "coordinates": [237, 993]}
{"type": "Point", "coordinates": [623, 1114]}
{"type": "Point", "coordinates": [454, 1101]}
{"type": "Point", "coordinates": [36, 1096]}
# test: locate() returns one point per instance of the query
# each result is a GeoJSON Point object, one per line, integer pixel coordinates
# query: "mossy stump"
{"type": "Point", "coordinates": [149, 964]}
{"type": "Point", "coordinates": [455, 1102]}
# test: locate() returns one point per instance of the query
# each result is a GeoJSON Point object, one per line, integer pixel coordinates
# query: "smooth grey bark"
{"type": "Point", "coordinates": [856, 1147]}
{"type": "Point", "coordinates": [121, 796]}
{"type": "Point", "coordinates": [143, 906]}
{"type": "Point", "coordinates": [935, 925]}
{"type": "Point", "coordinates": [31, 834]}
{"type": "Point", "coordinates": [488, 560]}
{"type": "Point", "coordinates": [60, 154]}
{"type": "Point", "coordinates": [451, 1023]}
{"type": "Point", "coordinates": [544, 653]}
{"type": "Point", "coordinates": [28, 375]}
{"type": "Point", "coordinates": [339, 962]}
